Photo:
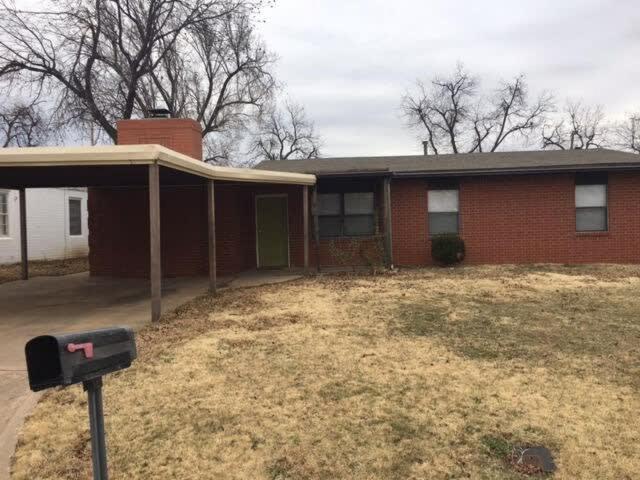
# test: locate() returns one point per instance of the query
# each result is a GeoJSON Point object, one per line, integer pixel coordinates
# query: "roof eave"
{"type": "Point", "coordinates": [515, 171]}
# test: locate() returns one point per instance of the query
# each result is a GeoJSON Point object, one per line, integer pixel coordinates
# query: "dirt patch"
{"type": "Point", "coordinates": [393, 377]}
{"type": "Point", "coordinates": [44, 268]}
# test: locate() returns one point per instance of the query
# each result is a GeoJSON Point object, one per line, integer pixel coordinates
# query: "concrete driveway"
{"type": "Point", "coordinates": [65, 304]}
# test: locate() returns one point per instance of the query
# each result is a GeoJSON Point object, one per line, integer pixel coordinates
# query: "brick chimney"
{"type": "Point", "coordinates": [180, 134]}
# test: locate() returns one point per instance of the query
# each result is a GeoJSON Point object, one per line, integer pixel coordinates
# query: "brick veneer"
{"type": "Point", "coordinates": [521, 219]}
{"type": "Point", "coordinates": [184, 230]}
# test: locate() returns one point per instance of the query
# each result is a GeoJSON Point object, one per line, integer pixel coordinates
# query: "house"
{"type": "Point", "coordinates": [576, 206]}
{"type": "Point", "coordinates": [56, 219]}
{"type": "Point", "coordinates": [156, 210]}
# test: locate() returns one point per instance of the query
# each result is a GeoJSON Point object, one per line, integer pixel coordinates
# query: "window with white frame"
{"type": "Point", "coordinates": [443, 211]}
{"type": "Point", "coordinates": [75, 217]}
{"type": "Point", "coordinates": [591, 206]}
{"type": "Point", "coordinates": [346, 214]}
{"type": "Point", "coordinates": [4, 214]}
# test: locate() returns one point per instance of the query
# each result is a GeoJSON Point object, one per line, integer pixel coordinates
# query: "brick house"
{"type": "Point", "coordinates": [157, 210]}
{"type": "Point", "coordinates": [578, 206]}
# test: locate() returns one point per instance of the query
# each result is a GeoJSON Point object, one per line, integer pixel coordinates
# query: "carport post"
{"type": "Point", "coordinates": [388, 231]}
{"type": "Point", "coordinates": [305, 224]}
{"type": "Point", "coordinates": [24, 255]}
{"type": "Point", "coordinates": [211, 208]}
{"type": "Point", "coordinates": [155, 269]}
{"type": "Point", "coordinates": [316, 226]}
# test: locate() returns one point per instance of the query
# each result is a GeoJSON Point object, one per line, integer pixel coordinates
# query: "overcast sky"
{"type": "Point", "coordinates": [350, 61]}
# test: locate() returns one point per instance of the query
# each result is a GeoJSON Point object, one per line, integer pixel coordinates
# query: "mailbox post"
{"type": "Point", "coordinates": [62, 360]}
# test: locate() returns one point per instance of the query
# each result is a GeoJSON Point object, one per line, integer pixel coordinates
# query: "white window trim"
{"type": "Point", "coordinates": [436, 211]}
{"type": "Point", "coordinates": [8, 214]}
{"type": "Point", "coordinates": [605, 208]}
{"type": "Point", "coordinates": [69, 199]}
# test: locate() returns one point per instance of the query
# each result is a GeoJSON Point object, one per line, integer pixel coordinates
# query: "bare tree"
{"type": "Point", "coordinates": [581, 127]}
{"type": "Point", "coordinates": [286, 134]}
{"type": "Point", "coordinates": [456, 118]}
{"type": "Point", "coordinates": [627, 133]}
{"type": "Point", "coordinates": [23, 125]}
{"type": "Point", "coordinates": [104, 60]}
{"type": "Point", "coordinates": [224, 81]}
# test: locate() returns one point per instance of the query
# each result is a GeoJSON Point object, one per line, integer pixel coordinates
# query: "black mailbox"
{"type": "Point", "coordinates": [54, 360]}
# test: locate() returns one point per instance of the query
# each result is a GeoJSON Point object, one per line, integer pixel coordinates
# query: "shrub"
{"type": "Point", "coordinates": [447, 249]}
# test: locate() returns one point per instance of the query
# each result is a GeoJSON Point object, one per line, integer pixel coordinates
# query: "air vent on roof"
{"type": "Point", "coordinates": [159, 113]}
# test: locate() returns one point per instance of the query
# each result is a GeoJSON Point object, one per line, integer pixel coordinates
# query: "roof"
{"type": "Point", "coordinates": [462, 164]}
{"type": "Point", "coordinates": [20, 161]}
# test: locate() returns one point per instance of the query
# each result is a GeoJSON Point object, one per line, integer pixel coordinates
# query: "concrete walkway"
{"type": "Point", "coordinates": [74, 303]}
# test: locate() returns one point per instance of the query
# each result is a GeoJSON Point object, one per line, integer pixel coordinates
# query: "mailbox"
{"type": "Point", "coordinates": [55, 360]}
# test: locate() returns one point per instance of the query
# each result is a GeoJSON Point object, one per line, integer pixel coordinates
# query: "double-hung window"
{"type": "Point", "coordinates": [4, 214]}
{"type": "Point", "coordinates": [443, 211]}
{"type": "Point", "coordinates": [346, 214]}
{"type": "Point", "coordinates": [75, 217]}
{"type": "Point", "coordinates": [591, 205]}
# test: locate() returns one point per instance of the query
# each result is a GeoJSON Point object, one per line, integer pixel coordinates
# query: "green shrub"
{"type": "Point", "coordinates": [447, 249]}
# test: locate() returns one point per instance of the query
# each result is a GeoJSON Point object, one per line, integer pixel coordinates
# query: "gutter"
{"type": "Point", "coordinates": [517, 171]}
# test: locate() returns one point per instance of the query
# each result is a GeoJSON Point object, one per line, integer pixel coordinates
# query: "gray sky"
{"type": "Point", "coordinates": [350, 61]}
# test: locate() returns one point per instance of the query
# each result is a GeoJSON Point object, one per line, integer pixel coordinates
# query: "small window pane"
{"type": "Point", "coordinates": [440, 223]}
{"type": "Point", "coordinates": [358, 203]}
{"type": "Point", "coordinates": [443, 201]}
{"type": "Point", "coordinates": [593, 219]}
{"type": "Point", "coordinates": [591, 196]}
{"type": "Point", "coordinates": [359, 225]}
{"type": "Point", "coordinates": [4, 215]}
{"type": "Point", "coordinates": [330, 226]}
{"type": "Point", "coordinates": [75, 216]}
{"type": "Point", "coordinates": [329, 204]}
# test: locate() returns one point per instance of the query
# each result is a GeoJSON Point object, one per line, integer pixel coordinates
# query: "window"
{"type": "Point", "coordinates": [4, 214]}
{"type": "Point", "coordinates": [346, 214]}
{"type": "Point", "coordinates": [591, 207]}
{"type": "Point", "coordinates": [443, 211]}
{"type": "Point", "coordinates": [75, 216]}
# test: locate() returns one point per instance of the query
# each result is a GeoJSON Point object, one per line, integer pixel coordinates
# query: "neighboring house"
{"type": "Point", "coordinates": [576, 206]}
{"type": "Point", "coordinates": [56, 224]}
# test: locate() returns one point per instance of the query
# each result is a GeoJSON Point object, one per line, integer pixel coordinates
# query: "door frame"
{"type": "Point", "coordinates": [286, 203]}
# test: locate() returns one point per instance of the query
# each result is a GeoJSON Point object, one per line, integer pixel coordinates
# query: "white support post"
{"type": "Point", "coordinates": [154, 242]}
{"type": "Point", "coordinates": [24, 255]}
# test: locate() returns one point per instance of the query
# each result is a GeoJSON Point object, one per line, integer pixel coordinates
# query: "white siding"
{"type": "Point", "coordinates": [47, 226]}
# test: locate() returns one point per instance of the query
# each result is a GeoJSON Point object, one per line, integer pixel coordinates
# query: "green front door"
{"type": "Point", "coordinates": [273, 231]}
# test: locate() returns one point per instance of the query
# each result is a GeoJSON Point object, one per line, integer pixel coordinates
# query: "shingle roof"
{"type": "Point", "coordinates": [467, 163]}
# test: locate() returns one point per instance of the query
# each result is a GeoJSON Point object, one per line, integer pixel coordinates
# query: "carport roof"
{"type": "Point", "coordinates": [121, 165]}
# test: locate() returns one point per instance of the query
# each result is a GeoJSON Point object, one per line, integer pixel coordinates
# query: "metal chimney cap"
{"type": "Point", "coordinates": [159, 113]}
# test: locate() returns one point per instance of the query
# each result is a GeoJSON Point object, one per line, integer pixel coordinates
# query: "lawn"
{"type": "Point", "coordinates": [43, 268]}
{"type": "Point", "coordinates": [434, 373]}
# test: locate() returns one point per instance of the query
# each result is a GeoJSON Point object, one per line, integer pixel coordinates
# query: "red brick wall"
{"type": "Point", "coordinates": [119, 229]}
{"type": "Point", "coordinates": [521, 219]}
{"type": "Point", "coordinates": [180, 134]}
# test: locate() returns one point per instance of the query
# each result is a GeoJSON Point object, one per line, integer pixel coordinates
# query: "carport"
{"type": "Point", "coordinates": [149, 167]}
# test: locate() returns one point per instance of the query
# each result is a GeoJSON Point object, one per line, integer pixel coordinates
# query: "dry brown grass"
{"type": "Point", "coordinates": [43, 268]}
{"type": "Point", "coordinates": [422, 374]}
